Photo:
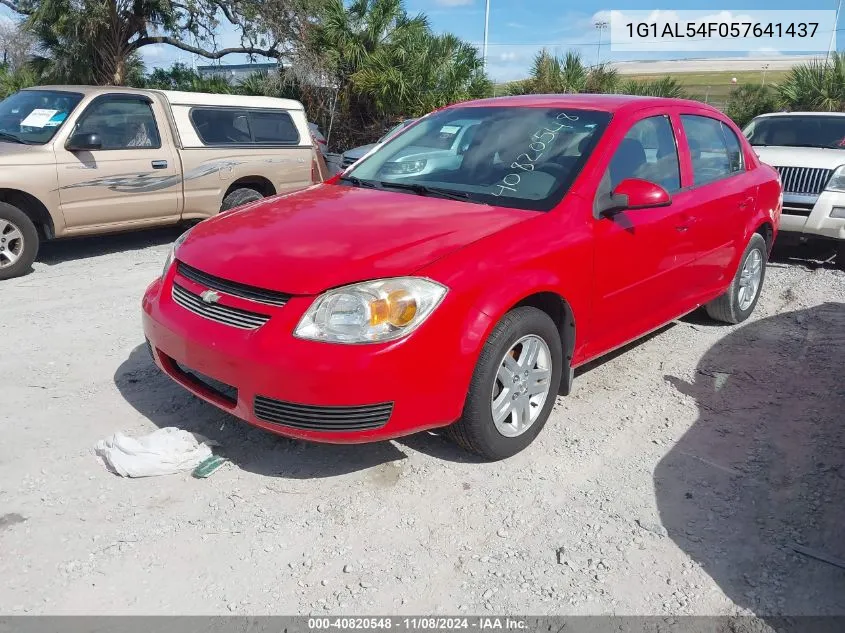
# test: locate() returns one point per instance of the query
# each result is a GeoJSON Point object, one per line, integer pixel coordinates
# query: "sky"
{"type": "Point", "coordinates": [518, 29]}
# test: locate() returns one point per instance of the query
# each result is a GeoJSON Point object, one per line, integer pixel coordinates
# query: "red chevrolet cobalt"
{"type": "Point", "coordinates": [458, 274]}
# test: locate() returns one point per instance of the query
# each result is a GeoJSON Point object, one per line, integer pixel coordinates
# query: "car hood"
{"type": "Point", "coordinates": [779, 156]}
{"type": "Point", "coordinates": [358, 152]}
{"type": "Point", "coordinates": [330, 235]}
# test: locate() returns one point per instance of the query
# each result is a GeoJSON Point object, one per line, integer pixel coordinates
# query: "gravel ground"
{"type": "Point", "coordinates": [675, 480]}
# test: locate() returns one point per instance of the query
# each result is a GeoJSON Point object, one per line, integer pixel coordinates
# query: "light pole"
{"type": "Point", "coordinates": [486, 25]}
{"type": "Point", "coordinates": [765, 68]}
{"type": "Point", "coordinates": [833, 33]}
{"type": "Point", "coordinates": [601, 27]}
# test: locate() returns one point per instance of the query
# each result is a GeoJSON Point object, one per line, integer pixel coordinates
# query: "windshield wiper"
{"type": "Point", "coordinates": [423, 190]}
{"type": "Point", "coordinates": [11, 137]}
{"type": "Point", "coordinates": [357, 182]}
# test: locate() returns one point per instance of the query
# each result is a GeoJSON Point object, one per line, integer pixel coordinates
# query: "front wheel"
{"type": "Point", "coordinates": [514, 386]}
{"type": "Point", "coordinates": [18, 242]}
{"type": "Point", "coordinates": [738, 302]}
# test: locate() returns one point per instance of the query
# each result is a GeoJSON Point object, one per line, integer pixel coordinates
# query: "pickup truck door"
{"type": "Point", "coordinates": [133, 177]}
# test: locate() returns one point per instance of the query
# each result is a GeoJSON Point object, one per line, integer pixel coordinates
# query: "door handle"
{"type": "Point", "coordinates": [159, 164]}
{"type": "Point", "coordinates": [684, 223]}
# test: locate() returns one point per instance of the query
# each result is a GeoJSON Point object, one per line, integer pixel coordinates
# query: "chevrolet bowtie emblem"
{"type": "Point", "coordinates": [209, 296]}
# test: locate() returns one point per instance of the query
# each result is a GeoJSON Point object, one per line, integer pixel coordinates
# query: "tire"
{"type": "Point", "coordinates": [19, 242]}
{"type": "Point", "coordinates": [729, 307]}
{"type": "Point", "coordinates": [477, 431]}
{"type": "Point", "coordinates": [239, 197]}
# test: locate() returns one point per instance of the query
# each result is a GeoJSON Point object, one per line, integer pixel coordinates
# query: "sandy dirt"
{"type": "Point", "coordinates": [677, 479]}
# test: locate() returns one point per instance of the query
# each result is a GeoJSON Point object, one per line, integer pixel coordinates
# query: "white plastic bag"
{"type": "Point", "coordinates": [162, 452]}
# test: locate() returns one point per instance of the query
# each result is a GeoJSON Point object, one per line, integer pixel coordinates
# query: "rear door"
{"type": "Point", "coordinates": [135, 178]}
{"type": "Point", "coordinates": [724, 194]}
{"type": "Point", "coordinates": [641, 254]}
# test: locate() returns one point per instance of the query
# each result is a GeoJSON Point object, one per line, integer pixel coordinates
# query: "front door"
{"type": "Point", "coordinates": [640, 254]}
{"type": "Point", "coordinates": [133, 178]}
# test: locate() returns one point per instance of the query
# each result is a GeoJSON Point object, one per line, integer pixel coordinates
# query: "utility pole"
{"type": "Point", "coordinates": [601, 27]}
{"type": "Point", "coordinates": [486, 26]}
{"type": "Point", "coordinates": [765, 68]}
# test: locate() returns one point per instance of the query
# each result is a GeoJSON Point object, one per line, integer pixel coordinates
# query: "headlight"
{"type": "Point", "coordinates": [372, 311]}
{"type": "Point", "coordinates": [172, 253]}
{"type": "Point", "coordinates": [404, 167]}
{"type": "Point", "coordinates": [837, 180]}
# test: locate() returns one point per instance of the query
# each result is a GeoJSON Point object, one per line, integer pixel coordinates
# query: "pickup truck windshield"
{"type": "Point", "coordinates": [33, 117]}
{"type": "Point", "coordinates": [797, 131]}
{"type": "Point", "coordinates": [519, 157]}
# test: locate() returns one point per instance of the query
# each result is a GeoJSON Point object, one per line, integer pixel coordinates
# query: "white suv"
{"type": "Point", "coordinates": [808, 150]}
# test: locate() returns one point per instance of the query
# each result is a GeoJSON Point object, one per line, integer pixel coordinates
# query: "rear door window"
{"type": "Point", "coordinates": [714, 149]}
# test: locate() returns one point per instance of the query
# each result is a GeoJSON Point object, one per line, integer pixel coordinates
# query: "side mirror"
{"type": "Point", "coordinates": [84, 142]}
{"type": "Point", "coordinates": [631, 194]}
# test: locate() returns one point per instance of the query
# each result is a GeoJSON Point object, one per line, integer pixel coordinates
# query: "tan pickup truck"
{"type": "Point", "coordinates": [80, 160]}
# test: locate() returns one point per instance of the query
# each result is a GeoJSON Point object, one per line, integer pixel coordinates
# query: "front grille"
{"type": "Point", "coordinates": [224, 391]}
{"type": "Point", "coordinates": [270, 297]}
{"type": "Point", "coordinates": [806, 180]}
{"type": "Point", "coordinates": [243, 319]}
{"type": "Point", "coordinates": [798, 208]}
{"type": "Point", "coordinates": [311, 418]}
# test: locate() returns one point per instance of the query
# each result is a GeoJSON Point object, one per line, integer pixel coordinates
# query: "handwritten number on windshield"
{"type": "Point", "coordinates": [540, 140]}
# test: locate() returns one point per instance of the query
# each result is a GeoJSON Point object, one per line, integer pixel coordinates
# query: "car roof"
{"type": "Point", "coordinates": [184, 98]}
{"type": "Point", "coordinates": [604, 102]}
{"type": "Point", "coordinates": [776, 114]}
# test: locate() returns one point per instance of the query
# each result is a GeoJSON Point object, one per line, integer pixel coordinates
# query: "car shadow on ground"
{"type": "Point", "coordinates": [77, 248]}
{"type": "Point", "coordinates": [158, 398]}
{"type": "Point", "coordinates": [762, 470]}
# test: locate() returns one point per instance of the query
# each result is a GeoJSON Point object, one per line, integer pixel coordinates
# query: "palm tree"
{"type": "Point", "coordinates": [385, 64]}
{"type": "Point", "coordinates": [663, 87]}
{"type": "Point", "coordinates": [551, 75]}
{"type": "Point", "coordinates": [817, 85]}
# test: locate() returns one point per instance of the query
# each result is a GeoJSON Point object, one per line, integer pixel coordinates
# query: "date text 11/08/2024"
{"type": "Point", "coordinates": [418, 623]}
{"type": "Point", "coordinates": [677, 30]}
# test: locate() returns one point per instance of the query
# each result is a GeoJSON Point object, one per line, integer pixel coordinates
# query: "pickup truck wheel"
{"type": "Point", "coordinates": [514, 386]}
{"type": "Point", "coordinates": [241, 196]}
{"type": "Point", "coordinates": [18, 242]}
{"type": "Point", "coordinates": [738, 302]}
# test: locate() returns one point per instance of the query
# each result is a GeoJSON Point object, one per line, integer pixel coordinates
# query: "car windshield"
{"type": "Point", "coordinates": [34, 116]}
{"type": "Point", "coordinates": [797, 131]}
{"type": "Point", "coordinates": [519, 157]}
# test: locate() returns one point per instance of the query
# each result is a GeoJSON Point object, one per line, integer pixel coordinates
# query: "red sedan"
{"type": "Point", "coordinates": [458, 274]}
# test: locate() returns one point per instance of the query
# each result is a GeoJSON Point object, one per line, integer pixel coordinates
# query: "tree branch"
{"type": "Point", "coordinates": [271, 52]}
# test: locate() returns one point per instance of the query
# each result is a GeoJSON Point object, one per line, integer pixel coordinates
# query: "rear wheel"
{"type": "Point", "coordinates": [18, 242]}
{"type": "Point", "coordinates": [239, 197]}
{"type": "Point", "coordinates": [514, 386]}
{"type": "Point", "coordinates": [739, 301]}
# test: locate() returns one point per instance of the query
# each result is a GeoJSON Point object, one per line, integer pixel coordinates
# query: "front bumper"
{"type": "Point", "coordinates": [420, 382]}
{"type": "Point", "coordinates": [814, 221]}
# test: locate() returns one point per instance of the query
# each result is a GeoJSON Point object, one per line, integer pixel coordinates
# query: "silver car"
{"type": "Point", "coordinates": [351, 156]}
